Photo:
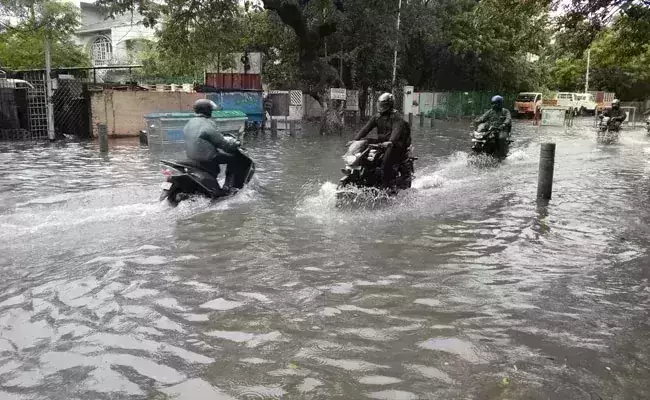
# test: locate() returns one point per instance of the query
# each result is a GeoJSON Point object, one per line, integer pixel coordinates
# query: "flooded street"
{"type": "Point", "coordinates": [465, 288]}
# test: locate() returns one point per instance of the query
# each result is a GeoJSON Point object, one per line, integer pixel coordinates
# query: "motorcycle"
{"type": "Point", "coordinates": [362, 173]}
{"type": "Point", "coordinates": [186, 179]}
{"type": "Point", "coordinates": [487, 140]}
{"type": "Point", "coordinates": [608, 130]}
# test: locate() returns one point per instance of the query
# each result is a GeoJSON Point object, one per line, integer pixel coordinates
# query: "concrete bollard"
{"type": "Point", "coordinates": [102, 132]}
{"type": "Point", "coordinates": [274, 126]}
{"type": "Point", "coordinates": [411, 119]}
{"type": "Point", "coordinates": [545, 174]}
{"type": "Point", "coordinates": [433, 119]}
{"type": "Point", "coordinates": [421, 119]}
{"type": "Point", "coordinates": [292, 128]}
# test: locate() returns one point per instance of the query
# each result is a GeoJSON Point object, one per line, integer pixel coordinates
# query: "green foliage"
{"type": "Point", "coordinates": [620, 55]}
{"type": "Point", "coordinates": [442, 44]}
{"type": "Point", "coordinates": [22, 43]}
{"type": "Point", "coordinates": [26, 50]}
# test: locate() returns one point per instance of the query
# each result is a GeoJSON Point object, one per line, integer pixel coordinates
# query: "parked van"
{"type": "Point", "coordinates": [566, 99]}
{"type": "Point", "coordinates": [527, 102]}
{"type": "Point", "coordinates": [586, 103]}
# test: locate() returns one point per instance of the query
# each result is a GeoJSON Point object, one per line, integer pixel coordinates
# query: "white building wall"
{"type": "Point", "coordinates": [121, 34]}
{"type": "Point", "coordinates": [89, 16]}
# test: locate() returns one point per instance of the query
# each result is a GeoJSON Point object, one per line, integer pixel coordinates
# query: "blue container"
{"type": "Point", "coordinates": [249, 102]}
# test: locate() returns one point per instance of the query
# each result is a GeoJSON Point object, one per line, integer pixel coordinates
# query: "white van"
{"type": "Point", "coordinates": [586, 103]}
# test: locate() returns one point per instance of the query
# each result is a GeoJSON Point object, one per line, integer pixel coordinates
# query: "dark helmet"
{"type": "Point", "coordinates": [386, 102]}
{"type": "Point", "coordinates": [205, 107]}
{"type": "Point", "coordinates": [616, 103]}
{"type": "Point", "coordinates": [497, 103]}
{"type": "Point", "coordinates": [497, 100]}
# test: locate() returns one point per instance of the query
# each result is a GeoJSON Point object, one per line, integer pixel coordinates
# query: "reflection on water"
{"type": "Point", "coordinates": [463, 287]}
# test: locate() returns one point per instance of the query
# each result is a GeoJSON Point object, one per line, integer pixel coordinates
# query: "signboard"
{"type": "Point", "coordinates": [553, 116]}
{"type": "Point", "coordinates": [352, 100]}
{"type": "Point", "coordinates": [338, 94]}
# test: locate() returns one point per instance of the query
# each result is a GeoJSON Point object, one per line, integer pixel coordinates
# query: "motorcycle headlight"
{"type": "Point", "coordinates": [479, 135]}
{"type": "Point", "coordinates": [350, 159]}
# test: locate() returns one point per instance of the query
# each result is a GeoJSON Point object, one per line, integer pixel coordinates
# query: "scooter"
{"type": "Point", "coordinates": [187, 179]}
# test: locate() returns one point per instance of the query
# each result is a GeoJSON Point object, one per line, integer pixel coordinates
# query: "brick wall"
{"type": "Point", "coordinates": [123, 112]}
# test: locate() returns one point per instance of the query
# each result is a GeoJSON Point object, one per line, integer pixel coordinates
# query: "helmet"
{"type": "Point", "coordinates": [386, 102]}
{"type": "Point", "coordinates": [497, 100]}
{"type": "Point", "coordinates": [616, 103]}
{"type": "Point", "coordinates": [205, 107]}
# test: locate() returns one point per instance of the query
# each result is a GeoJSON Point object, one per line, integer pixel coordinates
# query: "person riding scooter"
{"type": "Point", "coordinates": [617, 116]}
{"type": "Point", "coordinates": [207, 147]}
{"type": "Point", "coordinates": [392, 132]}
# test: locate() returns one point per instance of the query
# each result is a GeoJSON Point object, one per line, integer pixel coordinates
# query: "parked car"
{"type": "Point", "coordinates": [586, 103]}
{"type": "Point", "coordinates": [526, 103]}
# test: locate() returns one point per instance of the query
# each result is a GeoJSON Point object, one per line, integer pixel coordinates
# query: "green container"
{"type": "Point", "coordinates": [167, 128]}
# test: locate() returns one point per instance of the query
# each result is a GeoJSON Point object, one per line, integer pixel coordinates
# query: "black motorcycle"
{"type": "Point", "coordinates": [486, 139]}
{"type": "Point", "coordinates": [363, 171]}
{"type": "Point", "coordinates": [608, 130]}
{"type": "Point", "coordinates": [185, 179]}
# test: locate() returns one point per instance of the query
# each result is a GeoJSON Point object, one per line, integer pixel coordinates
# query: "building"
{"type": "Point", "coordinates": [111, 41]}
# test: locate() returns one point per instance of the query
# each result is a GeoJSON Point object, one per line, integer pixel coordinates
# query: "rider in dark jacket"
{"type": "Point", "coordinates": [393, 132]}
{"type": "Point", "coordinates": [615, 113]}
{"type": "Point", "coordinates": [497, 116]}
{"type": "Point", "coordinates": [208, 148]}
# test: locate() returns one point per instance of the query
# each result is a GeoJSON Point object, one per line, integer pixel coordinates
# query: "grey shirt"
{"type": "Point", "coordinates": [202, 139]}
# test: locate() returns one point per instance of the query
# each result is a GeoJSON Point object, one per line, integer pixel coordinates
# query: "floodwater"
{"type": "Point", "coordinates": [464, 288]}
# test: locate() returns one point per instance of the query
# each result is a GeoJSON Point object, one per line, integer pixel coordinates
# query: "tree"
{"type": "Point", "coordinates": [201, 21]}
{"type": "Point", "coordinates": [22, 43]}
{"type": "Point", "coordinates": [619, 57]}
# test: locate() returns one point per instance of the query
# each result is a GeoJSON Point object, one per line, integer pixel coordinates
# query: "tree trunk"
{"type": "Point", "coordinates": [316, 75]}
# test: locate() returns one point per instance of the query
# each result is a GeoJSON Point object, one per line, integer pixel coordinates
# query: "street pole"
{"type": "Point", "coordinates": [48, 87]}
{"type": "Point", "coordinates": [399, 11]}
{"type": "Point", "coordinates": [587, 76]}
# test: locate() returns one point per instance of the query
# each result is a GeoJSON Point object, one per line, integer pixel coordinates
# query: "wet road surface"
{"type": "Point", "coordinates": [464, 288]}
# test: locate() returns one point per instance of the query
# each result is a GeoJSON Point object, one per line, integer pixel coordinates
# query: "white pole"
{"type": "Point", "coordinates": [587, 77]}
{"type": "Point", "coordinates": [48, 85]}
{"type": "Point", "coordinates": [399, 11]}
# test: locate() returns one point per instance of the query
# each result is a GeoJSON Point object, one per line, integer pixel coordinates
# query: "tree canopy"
{"type": "Point", "coordinates": [24, 26]}
{"type": "Point", "coordinates": [496, 45]}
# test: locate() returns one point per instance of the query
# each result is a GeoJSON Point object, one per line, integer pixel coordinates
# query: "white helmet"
{"type": "Point", "coordinates": [386, 102]}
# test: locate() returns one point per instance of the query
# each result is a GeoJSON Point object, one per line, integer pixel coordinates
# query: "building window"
{"type": "Point", "coordinates": [102, 51]}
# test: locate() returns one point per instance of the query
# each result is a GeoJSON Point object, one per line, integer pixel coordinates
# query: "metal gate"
{"type": "Point", "coordinates": [37, 100]}
{"type": "Point", "coordinates": [23, 107]}
{"type": "Point", "coordinates": [71, 103]}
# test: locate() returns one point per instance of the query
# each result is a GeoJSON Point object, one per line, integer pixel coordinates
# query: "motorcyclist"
{"type": "Point", "coordinates": [392, 132]}
{"type": "Point", "coordinates": [208, 148]}
{"type": "Point", "coordinates": [616, 114]}
{"type": "Point", "coordinates": [498, 117]}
